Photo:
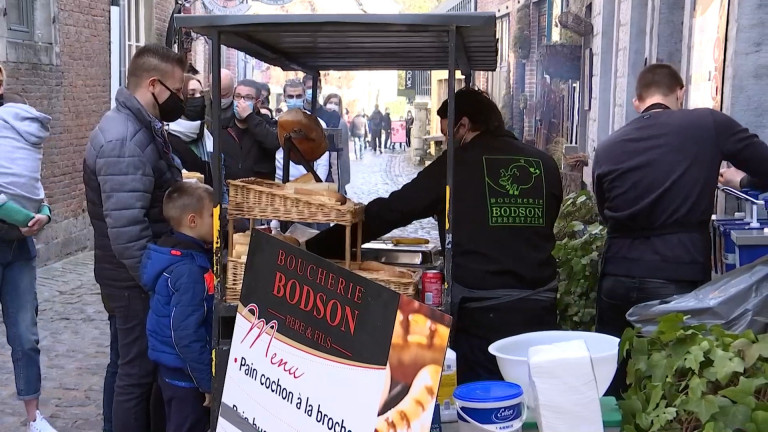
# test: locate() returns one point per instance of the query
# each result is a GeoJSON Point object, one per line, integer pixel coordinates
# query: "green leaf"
{"type": "Point", "coordinates": [696, 387]}
{"type": "Point", "coordinates": [744, 393]}
{"type": "Point", "coordinates": [757, 350]}
{"type": "Point", "coordinates": [734, 416]}
{"type": "Point", "coordinates": [726, 364]}
{"type": "Point", "coordinates": [760, 419]}
{"type": "Point", "coordinates": [694, 358]}
{"type": "Point", "coordinates": [703, 408]}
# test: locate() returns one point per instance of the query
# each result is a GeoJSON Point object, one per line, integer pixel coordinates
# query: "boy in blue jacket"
{"type": "Point", "coordinates": [177, 273]}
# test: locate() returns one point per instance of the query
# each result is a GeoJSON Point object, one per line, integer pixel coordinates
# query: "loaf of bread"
{"type": "Point", "coordinates": [305, 179]}
{"type": "Point", "coordinates": [240, 251]}
{"type": "Point", "coordinates": [377, 267]}
{"type": "Point", "coordinates": [242, 238]}
{"type": "Point", "coordinates": [288, 239]}
{"type": "Point", "coordinates": [305, 131]}
{"type": "Point", "coordinates": [326, 196]}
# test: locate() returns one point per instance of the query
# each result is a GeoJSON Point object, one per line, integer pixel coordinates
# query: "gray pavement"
{"type": "Point", "coordinates": [74, 332]}
{"type": "Point", "coordinates": [74, 340]}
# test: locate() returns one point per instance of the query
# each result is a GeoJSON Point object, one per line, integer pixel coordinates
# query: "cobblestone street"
{"type": "Point", "coordinates": [379, 175]}
{"type": "Point", "coordinates": [74, 335]}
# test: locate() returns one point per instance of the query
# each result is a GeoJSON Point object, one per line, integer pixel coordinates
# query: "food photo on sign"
{"type": "Point", "coordinates": [317, 347]}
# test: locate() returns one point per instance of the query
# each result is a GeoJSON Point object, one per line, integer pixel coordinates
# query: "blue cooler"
{"type": "Point", "coordinates": [727, 245]}
{"type": "Point", "coordinates": [750, 245]}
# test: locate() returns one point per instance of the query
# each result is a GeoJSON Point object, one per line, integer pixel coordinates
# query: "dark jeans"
{"type": "Point", "coordinates": [135, 381]}
{"type": "Point", "coordinates": [387, 139]}
{"type": "Point", "coordinates": [476, 328]}
{"type": "Point", "coordinates": [111, 376]}
{"type": "Point", "coordinates": [616, 295]}
{"type": "Point", "coordinates": [184, 408]}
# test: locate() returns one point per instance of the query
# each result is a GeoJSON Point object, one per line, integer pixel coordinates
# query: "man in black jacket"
{"type": "Point", "coordinates": [506, 200]}
{"type": "Point", "coordinates": [127, 170]}
{"type": "Point", "coordinates": [249, 143]}
{"type": "Point", "coordinates": [386, 126]}
{"type": "Point", "coordinates": [654, 182]}
{"type": "Point", "coordinates": [376, 122]}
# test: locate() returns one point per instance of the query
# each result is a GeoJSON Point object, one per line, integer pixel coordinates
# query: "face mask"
{"type": "Point", "coordinates": [194, 109]}
{"type": "Point", "coordinates": [308, 96]}
{"type": "Point", "coordinates": [294, 103]}
{"type": "Point", "coordinates": [237, 114]}
{"type": "Point", "coordinates": [225, 102]}
{"type": "Point", "coordinates": [2, 100]}
{"type": "Point", "coordinates": [332, 107]}
{"type": "Point", "coordinates": [172, 108]}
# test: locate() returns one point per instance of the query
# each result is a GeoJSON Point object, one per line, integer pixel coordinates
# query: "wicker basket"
{"type": "Point", "coordinates": [235, 274]}
{"type": "Point", "coordinates": [401, 285]}
{"type": "Point", "coordinates": [263, 199]}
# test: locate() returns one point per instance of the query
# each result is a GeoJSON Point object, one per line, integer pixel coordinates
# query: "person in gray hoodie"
{"type": "Point", "coordinates": [23, 213]}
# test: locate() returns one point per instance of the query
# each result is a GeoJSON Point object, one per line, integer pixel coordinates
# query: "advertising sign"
{"type": "Point", "coordinates": [318, 348]}
{"type": "Point", "coordinates": [227, 7]}
{"type": "Point", "coordinates": [398, 131]}
{"type": "Point", "coordinates": [708, 54]}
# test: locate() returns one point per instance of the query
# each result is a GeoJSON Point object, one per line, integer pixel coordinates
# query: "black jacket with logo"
{"type": "Point", "coordinates": [249, 152]}
{"type": "Point", "coordinates": [507, 196]}
{"type": "Point", "coordinates": [654, 182]}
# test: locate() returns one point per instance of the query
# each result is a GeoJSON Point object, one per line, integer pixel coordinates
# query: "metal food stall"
{"type": "Point", "coordinates": [313, 43]}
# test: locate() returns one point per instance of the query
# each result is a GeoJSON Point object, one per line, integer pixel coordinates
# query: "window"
{"type": "Point", "coordinates": [135, 31]}
{"type": "Point", "coordinates": [19, 15]}
{"type": "Point", "coordinates": [502, 36]}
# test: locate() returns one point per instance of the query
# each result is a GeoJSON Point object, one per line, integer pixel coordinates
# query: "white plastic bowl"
{"type": "Point", "coordinates": [512, 355]}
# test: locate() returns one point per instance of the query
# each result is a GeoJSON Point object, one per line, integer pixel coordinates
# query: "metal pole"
{"type": "Point", "coordinates": [123, 51]}
{"type": "Point", "coordinates": [449, 172]}
{"type": "Point", "coordinates": [216, 113]}
{"type": "Point", "coordinates": [218, 178]}
{"type": "Point", "coordinates": [315, 95]}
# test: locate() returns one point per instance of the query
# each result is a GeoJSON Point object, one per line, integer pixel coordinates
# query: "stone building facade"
{"type": "Point", "coordinates": [57, 55]}
{"type": "Point", "coordinates": [719, 46]}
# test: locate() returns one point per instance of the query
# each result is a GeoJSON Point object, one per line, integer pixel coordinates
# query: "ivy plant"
{"type": "Point", "coordinates": [580, 240]}
{"type": "Point", "coordinates": [695, 379]}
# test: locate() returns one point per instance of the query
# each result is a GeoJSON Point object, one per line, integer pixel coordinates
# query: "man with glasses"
{"type": "Point", "coordinates": [249, 143]}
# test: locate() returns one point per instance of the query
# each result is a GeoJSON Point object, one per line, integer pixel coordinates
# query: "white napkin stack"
{"type": "Point", "coordinates": [565, 388]}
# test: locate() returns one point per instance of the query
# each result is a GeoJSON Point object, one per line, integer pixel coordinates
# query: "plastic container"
{"type": "Point", "coordinates": [490, 406]}
{"type": "Point", "coordinates": [512, 355]}
{"type": "Point", "coordinates": [447, 387]}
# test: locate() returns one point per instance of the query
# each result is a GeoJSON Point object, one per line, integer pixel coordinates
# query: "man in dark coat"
{"type": "Point", "coordinates": [127, 170]}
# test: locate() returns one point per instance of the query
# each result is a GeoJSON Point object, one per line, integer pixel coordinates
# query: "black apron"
{"type": "Point", "coordinates": [485, 316]}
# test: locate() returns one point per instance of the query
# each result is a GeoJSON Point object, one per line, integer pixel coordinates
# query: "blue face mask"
{"type": "Point", "coordinates": [234, 107]}
{"type": "Point", "coordinates": [309, 94]}
{"type": "Point", "coordinates": [294, 103]}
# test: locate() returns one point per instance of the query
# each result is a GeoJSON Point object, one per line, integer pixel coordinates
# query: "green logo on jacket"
{"type": "Point", "coordinates": [516, 191]}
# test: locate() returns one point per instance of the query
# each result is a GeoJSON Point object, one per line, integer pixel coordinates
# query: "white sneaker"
{"type": "Point", "coordinates": [40, 424]}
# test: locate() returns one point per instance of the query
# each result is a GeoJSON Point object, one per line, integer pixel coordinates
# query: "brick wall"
{"type": "Point", "coordinates": [162, 14]}
{"type": "Point", "coordinates": [75, 93]}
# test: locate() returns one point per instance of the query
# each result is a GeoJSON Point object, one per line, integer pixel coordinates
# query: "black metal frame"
{"type": "Point", "coordinates": [216, 25]}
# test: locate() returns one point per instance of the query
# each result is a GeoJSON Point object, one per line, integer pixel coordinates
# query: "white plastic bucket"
{"type": "Point", "coordinates": [497, 406]}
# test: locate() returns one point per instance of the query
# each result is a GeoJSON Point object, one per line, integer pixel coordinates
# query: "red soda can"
{"type": "Point", "coordinates": [432, 288]}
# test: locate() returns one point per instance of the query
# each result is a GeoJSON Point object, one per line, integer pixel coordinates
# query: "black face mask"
{"type": "Point", "coordinates": [172, 107]}
{"type": "Point", "coordinates": [2, 99]}
{"type": "Point", "coordinates": [194, 108]}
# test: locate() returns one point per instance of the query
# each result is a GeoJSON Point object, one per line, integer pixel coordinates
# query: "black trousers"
{"type": "Point", "coordinates": [184, 408]}
{"type": "Point", "coordinates": [616, 295]}
{"type": "Point", "coordinates": [376, 139]}
{"type": "Point", "coordinates": [135, 407]}
{"type": "Point", "coordinates": [477, 328]}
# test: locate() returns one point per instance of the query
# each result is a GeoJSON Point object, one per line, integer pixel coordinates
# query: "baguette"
{"type": "Point", "coordinates": [306, 178]}
{"type": "Point", "coordinates": [288, 239]}
{"type": "Point", "coordinates": [240, 251]}
{"type": "Point", "coordinates": [330, 197]}
{"type": "Point", "coordinates": [376, 267]}
{"type": "Point", "coordinates": [242, 238]}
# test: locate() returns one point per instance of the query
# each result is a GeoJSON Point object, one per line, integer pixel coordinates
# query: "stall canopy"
{"type": "Point", "coordinates": [313, 43]}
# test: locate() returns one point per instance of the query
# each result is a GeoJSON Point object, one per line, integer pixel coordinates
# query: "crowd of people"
{"type": "Point", "coordinates": [153, 231]}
